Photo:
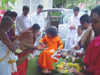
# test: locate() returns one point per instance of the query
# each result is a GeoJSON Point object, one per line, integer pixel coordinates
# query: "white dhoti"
{"type": "Point", "coordinates": [7, 60]}
{"type": "Point", "coordinates": [37, 52]}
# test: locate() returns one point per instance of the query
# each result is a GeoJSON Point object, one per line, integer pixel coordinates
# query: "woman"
{"type": "Point", "coordinates": [54, 43]}
{"type": "Point", "coordinates": [11, 33]}
{"type": "Point", "coordinates": [27, 40]}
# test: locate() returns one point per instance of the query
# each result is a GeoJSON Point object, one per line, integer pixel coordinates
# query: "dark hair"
{"type": "Point", "coordinates": [97, 10]}
{"type": "Point", "coordinates": [25, 7]}
{"type": "Point", "coordinates": [13, 14]}
{"type": "Point", "coordinates": [40, 6]}
{"type": "Point", "coordinates": [85, 18]}
{"type": "Point", "coordinates": [52, 31]}
{"type": "Point", "coordinates": [7, 13]}
{"type": "Point", "coordinates": [35, 27]}
{"type": "Point", "coordinates": [76, 9]}
{"type": "Point", "coordinates": [6, 20]}
{"type": "Point", "coordinates": [80, 27]}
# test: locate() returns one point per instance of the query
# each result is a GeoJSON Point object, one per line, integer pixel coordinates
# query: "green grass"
{"type": "Point", "coordinates": [33, 70]}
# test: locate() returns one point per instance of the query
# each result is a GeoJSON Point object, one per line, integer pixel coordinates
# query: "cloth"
{"type": "Point", "coordinates": [71, 41]}
{"type": "Point", "coordinates": [22, 68]}
{"type": "Point", "coordinates": [73, 20]}
{"type": "Point", "coordinates": [22, 23]}
{"type": "Point", "coordinates": [87, 37]}
{"type": "Point", "coordinates": [45, 59]}
{"type": "Point", "coordinates": [11, 34]}
{"type": "Point", "coordinates": [26, 39]}
{"type": "Point", "coordinates": [92, 57]}
{"type": "Point", "coordinates": [8, 64]}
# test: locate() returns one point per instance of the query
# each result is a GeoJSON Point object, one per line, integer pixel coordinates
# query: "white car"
{"type": "Point", "coordinates": [58, 17]}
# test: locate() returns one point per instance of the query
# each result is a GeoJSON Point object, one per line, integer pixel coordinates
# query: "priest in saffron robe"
{"type": "Point", "coordinates": [53, 41]}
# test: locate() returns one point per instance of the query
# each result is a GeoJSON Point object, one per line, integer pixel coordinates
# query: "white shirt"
{"type": "Point", "coordinates": [39, 19]}
{"type": "Point", "coordinates": [73, 20]}
{"type": "Point", "coordinates": [22, 23]}
{"type": "Point", "coordinates": [71, 41]}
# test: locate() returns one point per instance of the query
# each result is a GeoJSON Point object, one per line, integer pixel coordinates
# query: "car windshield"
{"type": "Point", "coordinates": [52, 18]}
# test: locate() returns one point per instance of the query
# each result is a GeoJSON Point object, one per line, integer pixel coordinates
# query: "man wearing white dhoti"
{"type": "Point", "coordinates": [71, 41]}
{"type": "Point", "coordinates": [23, 21]}
{"type": "Point", "coordinates": [7, 57]}
{"type": "Point", "coordinates": [73, 21]}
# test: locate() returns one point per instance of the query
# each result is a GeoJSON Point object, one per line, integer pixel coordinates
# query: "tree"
{"type": "Point", "coordinates": [5, 4]}
{"type": "Point", "coordinates": [59, 3]}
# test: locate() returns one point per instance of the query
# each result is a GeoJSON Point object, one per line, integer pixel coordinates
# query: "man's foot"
{"type": "Point", "coordinates": [46, 71]}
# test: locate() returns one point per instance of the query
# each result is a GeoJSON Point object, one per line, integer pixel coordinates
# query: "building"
{"type": "Point", "coordinates": [32, 4]}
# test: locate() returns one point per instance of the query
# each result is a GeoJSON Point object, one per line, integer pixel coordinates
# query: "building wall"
{"type": "Point", "coordinates": [32, 4]}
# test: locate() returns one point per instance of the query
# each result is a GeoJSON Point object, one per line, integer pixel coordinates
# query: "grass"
{"type": "Point", "coordinates": [33, 70]}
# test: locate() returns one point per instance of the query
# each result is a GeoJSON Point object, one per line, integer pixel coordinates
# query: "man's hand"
{"type": "Point", "coordinates": [77, 47]}
{"type": "Point", "coordinates": [39, 33]}
{"type": "Point", "coordinates": [77, 73]}
{"type": "Point", "coordinates": [72, 27]}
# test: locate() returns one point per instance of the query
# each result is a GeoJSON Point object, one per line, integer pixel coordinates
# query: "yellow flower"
{"type": "Point", "coordinates": [70, 64]}
{"type": "Point", "coordinates": [76, 64]}
{"type": "Point", "coordinates": [63, 63]}
{"type": "Point", "coordinates": [79, 68]}
{"type": "Point", "coordinates": [59, 66]}
{"type": "Point", "coordinates": [65, 71]}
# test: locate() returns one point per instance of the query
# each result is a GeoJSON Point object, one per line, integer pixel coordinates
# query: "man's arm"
{"type": "Point", "coordinates": [6, 41]}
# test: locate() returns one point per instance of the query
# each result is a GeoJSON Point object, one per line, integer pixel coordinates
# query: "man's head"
{"type": "Point", "coordinates": [95, 20]}
{"type": "Point", "coordinates": [35, 28]}
{"type": "Point", "coordinates": [6, 23]}
{"type": "Point", "coordinates": [39, 9]}
{"type": "Point", "coordinates": [13, 15]}
{"type": "Point", "coordinates": [76, 11]}
{"type": "Point", "coordinates": [85, 21]}
{"type": "Point", "coordinates": [80, 30]}
{"type": "Point", "coordinates": [25, 10]}
{"type": "Point", "coordinates": [7, 13]}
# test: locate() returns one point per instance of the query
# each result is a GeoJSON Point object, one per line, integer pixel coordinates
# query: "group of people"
{"type": "Point", "coordinates": [22, 34]}
{"type": "Point", "coordinates": [83, 38]}
{"type": "Point", "coordinates": [79, 36]}
{"type": "Point", "coordinates": [86, 41]}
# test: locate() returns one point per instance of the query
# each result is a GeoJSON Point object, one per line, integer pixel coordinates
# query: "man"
{"type": "Point", "coordinates": [38, 18]}
{"type": "Point", "coordinates": [87, 36]}
{"type": "Point", "coordinates": [73, 21]}
{"type": "Point", "coordinates": [26, 44]}
{"type": "Point", "coordinates": [23, 21]}
{"type": "Point", "coordinates": [6, 48]}
{"type": "Point", "coordinates": [71, 41]}
{"type": "Point", "coordinates": [92, 57]}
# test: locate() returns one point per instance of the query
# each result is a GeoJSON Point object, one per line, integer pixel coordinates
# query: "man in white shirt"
{"type": "Point", "coordinates": [73, 21]}
{"type": "Point", "coordinates": [71, 41]}
{"type": "Point", "coordinates": [37, 18]}
{"type": "Point", "coordinates": [23, 21]}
